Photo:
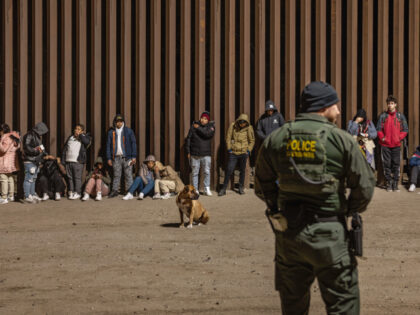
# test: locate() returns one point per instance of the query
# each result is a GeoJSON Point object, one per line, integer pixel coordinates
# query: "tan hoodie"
{"type": "Point", "coordinates": [240, 141]}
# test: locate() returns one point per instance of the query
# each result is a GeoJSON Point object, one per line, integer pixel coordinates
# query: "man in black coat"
{"type": "Point", "coordinates": [269, 121]}
{"type": "Point", "coordinates": [198, 147]}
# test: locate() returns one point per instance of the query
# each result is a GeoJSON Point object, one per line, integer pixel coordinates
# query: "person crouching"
{"type": "Point", "coordinates": [97, 182]}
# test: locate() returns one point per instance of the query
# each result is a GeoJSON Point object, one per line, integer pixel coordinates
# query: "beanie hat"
{"type": "Point", "coordinates": [269, 105]}
{"type": "Point", "coordinates": [318, 95]}
{"type": "Point", "coordinates": [205, 114]}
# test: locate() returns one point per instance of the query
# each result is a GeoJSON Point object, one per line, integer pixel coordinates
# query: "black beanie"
{"type": "Point", "coordinates": [318, 95]}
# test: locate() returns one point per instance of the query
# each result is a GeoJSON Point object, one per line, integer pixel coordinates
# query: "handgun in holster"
{"type": "Point", "coordinates": [356, 235]}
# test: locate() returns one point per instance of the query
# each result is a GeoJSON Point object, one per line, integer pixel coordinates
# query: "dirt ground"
{"type": "Point", "coordinates": [128, 257]}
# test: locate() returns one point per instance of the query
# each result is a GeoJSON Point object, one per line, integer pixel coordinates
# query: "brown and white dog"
{"type": "Point", "coordinates": [189, 205]}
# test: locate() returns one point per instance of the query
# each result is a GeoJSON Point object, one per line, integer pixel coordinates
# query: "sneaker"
{"type": "Point", "coordinates": [241, 190]}
{"type": "Point", "coordinates": [166, 196]}
{"type": "Point", "coordinates": [207, 191]}
{"type": "Point", "coordinates": [11, 199]}
{"type": "Point", "coordinates": [395, 187]}
{"type": "Point", "coordinates": [141, 196]}
{"type": "Point", "coordinates": [3, 201]}
{"type": "Point", "coordinates": [85, 197]}
{"type": "Point", "coordinates": [129, 196]}
{"type": "Point", "coordinates": [57, 196]}
{"type": "Point", "coordinates": [157, 196]}
{"type": "Point", "coordinates": [45, 197]}
{"type": "Point", "coordinates": [98, 196]}
{"type": "Point", "coordinates": [113, 194]}
{"type": "Point", "coordinates": [389, 187]}
{"type": "Point", "coordinates": [70, 195]}
{"type": "Point", "coordinates": [222, 192]}
{"type": "Point", "coordinates": [412, 188]}
{"type": "Point", "coordinates": [36, 197]}
{"type": "Point", "coordinates": [29, 199]}
{"type": "Point", "coordinates": [76, 196]}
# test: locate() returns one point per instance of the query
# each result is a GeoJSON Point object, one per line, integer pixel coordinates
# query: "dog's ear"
{"type": "Point", "coordinates": [186, 188]}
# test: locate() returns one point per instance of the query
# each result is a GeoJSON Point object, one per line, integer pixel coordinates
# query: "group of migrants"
{"type": "Point", "coordinates": [53, 176]}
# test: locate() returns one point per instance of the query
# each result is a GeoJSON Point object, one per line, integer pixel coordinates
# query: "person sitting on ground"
{"type": "Point", "coordinates": [239, 143]}
{"type": "Point", "coordinates": [415, 168]}
{"type": "Point", "coordinates": [198, 147]}
{"type": "Point", "coordinates": [33, 154]}
{"type": "Point", "coordinates": [269, 121]}
{"type": "Point", "coordinates": [9, 145]}
{"type": "Point", "coordinates": [51, 182]}
{"type": "Point", "coordinates": [167, 183]}
{"type": "Point", "coordinates": [145, 181]}
{"type": "Point", "coordinates": [98, 182]}
{"type": "Point", "coordinates": [364, 131]}
{"type": "Point", "coordinates": [74, 159]}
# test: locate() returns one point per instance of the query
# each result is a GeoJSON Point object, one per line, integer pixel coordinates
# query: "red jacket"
{"type": "Point", "coordinates": [392, 129]}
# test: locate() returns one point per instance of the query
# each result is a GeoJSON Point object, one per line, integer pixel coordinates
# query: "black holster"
{"type": "Point", "coordinates": [356, 235]}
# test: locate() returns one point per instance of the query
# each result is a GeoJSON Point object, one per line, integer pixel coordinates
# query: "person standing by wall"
{"type": "Point", "coordinates": [269, 121]}
{"type": "Point", "coordinates": [9, 146]}
{"type": "Point", "coordinates": [415, 169]}
{"type": "Point", "coordinates": [74, 158]}
{"type": "Point", "coordinates": [198, 147]}
{"type": "Point", "coordinates": [240, 141]}
{"type": "Point", "coordinates": [392, 129]}
{"type": "Point", "coordinates": [121, 153]}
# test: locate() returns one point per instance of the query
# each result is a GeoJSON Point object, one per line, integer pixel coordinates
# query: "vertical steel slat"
{"type": "Point", "coordinates": [290, 78]}
{"type": "Point", "coordinates": [245, 56]}
{"type": "Point", "coordinates": [52, 64]}
{"type": "Point", "coordinates": [23, 67]}
{"type": "Point", "coordinates": [170, 77]}
{"type": "Point", "coordinates": [8, 62]}
{"type": "Point", "coordinates": [305, 43]}
{"type": "Point", "coordinates": [230, 63]}
{"type": "Point", "coordinates": [126, 61]}
{"type": "Point", "coordinates": [200, 57]}
{"type": "Point", "coordinates": [351, 97]}
{"type": "Point", "coordinates": [185, 84]}
{"type": "Point", "coordinates": [141, 78]}
{"type": "Point", "coordinates": [111, 60]}
{"type": "Point", "coordinates": [367, 58]}
{"type": "Point", "coordinates": [66, 58]}
{"type": "Point", "coordinates": [259, 58]}
{"type": "Point", "coordinates": [336, 48]}
{"type": "Point", "coordinates": [383, 25]}
{"type": "Point", "coordinates": [81, 62]}
{"type": "Point", "coordinates": [215, 75]}
{"type": "Point", "coordinates": [96, 75]}
{"type": "Point", "coordinates": [155, 68]}
{"type": "Point", "coordinates": [398, 53]}
{"type": "Point", "coordinates": [275, 52]}
{"type": "Point", "coordinates": [321, 39]}
{"type": "Point", "coordinates": [37, 38]}
{"type": "Point", "coordinates": [413, 74]}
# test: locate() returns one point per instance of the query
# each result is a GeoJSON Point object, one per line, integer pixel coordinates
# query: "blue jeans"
{"type": "Point", "coordinates": [31, 173]}
{"type": "Point", "coordinates": [196, 163]}
{"type": "Point", "coordinates": [138, 185]}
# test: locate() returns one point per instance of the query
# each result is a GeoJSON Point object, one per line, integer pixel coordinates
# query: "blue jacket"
{"type": "Point", "coordinates": [415, 159]}
{"type": "Point", "coordinates": [128, 146]}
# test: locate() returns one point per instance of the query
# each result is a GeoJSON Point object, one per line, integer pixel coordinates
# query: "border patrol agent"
{"type": "Point", "coordinates": [302, 172]}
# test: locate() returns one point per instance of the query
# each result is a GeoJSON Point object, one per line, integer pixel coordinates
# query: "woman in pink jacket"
{"type": "Point", "coordinates": [9, 145]}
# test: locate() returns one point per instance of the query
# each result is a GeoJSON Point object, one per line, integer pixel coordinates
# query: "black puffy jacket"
{"type": "Point", "coordinates": [198, 141]}
{"type": "Point", "coordinates": [31, 141]}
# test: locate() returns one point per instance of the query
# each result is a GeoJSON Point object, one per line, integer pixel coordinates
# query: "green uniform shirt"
{"type": "Point", "coordinates": [345, 163]}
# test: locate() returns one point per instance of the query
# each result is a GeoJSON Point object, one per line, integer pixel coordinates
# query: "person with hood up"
{"type": "Point", "coordinates": [9, 145]}
{"type": "Point", "coordinates": [364, 131]}
{"type": "Point", "coordinates": [269, 121]}
{"type": "Point", "coordinates": [415, 169]}
{"type": "Point", "coordinates": [74, 158]}
{"type": "Point", "coordinates": [97, 182]}
{"type": "Point", "coordinates": [145, 181]}
{"type": "Point", "coordinates": [51, 182]}
{"type": "Point", "coordinates": [392, 128]}
{"type": "Point", "coordinates": [33, 155]}
{"type": "Point", "coordinates": [121, 153]}
{"type": "Point", "coordinates": [198, 147]}
{"type": "Point", "coordinates": [239, 143]}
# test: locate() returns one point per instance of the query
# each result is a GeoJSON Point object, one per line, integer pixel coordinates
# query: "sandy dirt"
{"type": "Point", "coordinates": [129, 257]}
